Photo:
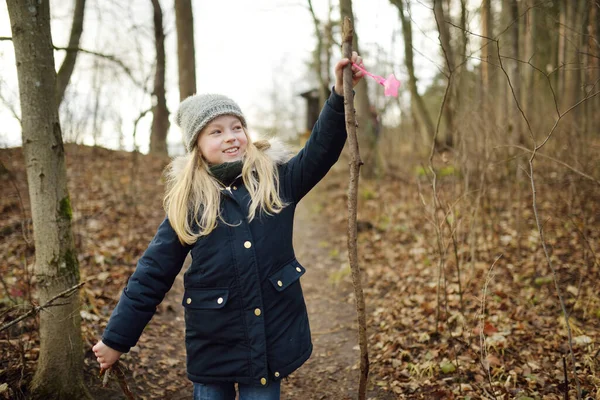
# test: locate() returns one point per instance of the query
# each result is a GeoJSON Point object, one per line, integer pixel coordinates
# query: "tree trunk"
{"type": "Point", "coordinates": [186, 51]}
{"type": "Point", "coordinates": [593, 67]}
{"type": "Point", "coordinates": [328, 43]}
{"type": "Point", "coordinates": [486, 49]}
{"type": "Point", "coordinates": [369, 134]}
{"type": "Point", "coordinates": [417, 103]}
{"type": "Point", "coordinates": [66, 69]}
{"type": "Point", "coordinates": [160, 113]}
{"type": "Point", "coordinates": [527, 95]}
{"type": "Point", "coordinates": [510, 10]}
{"type": "Point", "coordinates": [59, 373]}
{"type": "Point", "coordinates": [448, 52]}
{"type": "Point", "coordinates": [317, 57]}
{"type": "Point", "coordinates": [562, 49]}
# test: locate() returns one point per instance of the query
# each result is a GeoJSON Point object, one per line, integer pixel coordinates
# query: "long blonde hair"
{"type": "Point", "coordinates": [193, 194]}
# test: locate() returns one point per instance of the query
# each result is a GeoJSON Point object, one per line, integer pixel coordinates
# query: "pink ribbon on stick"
{"type": "Point", "coordinates": [390, 85]}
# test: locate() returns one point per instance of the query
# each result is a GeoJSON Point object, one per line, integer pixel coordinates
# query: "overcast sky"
{"type": "Point", "coordinates": [253, 51]}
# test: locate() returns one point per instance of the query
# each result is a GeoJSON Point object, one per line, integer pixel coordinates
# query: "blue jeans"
{"type": "Point", "coordinates": [226, 391]}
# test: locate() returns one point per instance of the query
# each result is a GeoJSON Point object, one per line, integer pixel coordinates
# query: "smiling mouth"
{"type": "Point", "coordinates": [231, 150]}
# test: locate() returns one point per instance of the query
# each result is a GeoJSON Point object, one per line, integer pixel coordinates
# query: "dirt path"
{"type": "Point", "coordinates": [331, 372]}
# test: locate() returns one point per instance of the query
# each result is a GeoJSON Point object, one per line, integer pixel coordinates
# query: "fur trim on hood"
{"type": "Point", "coordinates": [274, 148]}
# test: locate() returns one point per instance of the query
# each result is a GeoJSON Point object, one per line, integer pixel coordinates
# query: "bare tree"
{"type": "Point", "coordinates": [186, 51]}
{"type": "Point", "coordinates": [160, 113]}
{"type": "Point", "coordinates": [60, 364]}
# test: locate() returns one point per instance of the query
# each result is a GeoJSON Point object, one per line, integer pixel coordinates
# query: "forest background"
{"type": "Point", "coordinates": [478, 212]}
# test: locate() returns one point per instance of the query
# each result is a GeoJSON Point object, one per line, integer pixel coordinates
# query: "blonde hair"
{"type": "Point", "coordinates": [193, 194]}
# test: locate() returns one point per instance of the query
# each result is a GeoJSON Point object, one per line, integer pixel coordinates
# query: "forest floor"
{"type": "Point", "coordinates": [425, 328]}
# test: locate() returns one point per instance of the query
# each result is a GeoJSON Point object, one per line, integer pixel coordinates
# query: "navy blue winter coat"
{"type": "Point", "coordinates": [245, 316]}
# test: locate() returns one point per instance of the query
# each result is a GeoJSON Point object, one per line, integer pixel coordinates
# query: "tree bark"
{"type": "Point", "coordinates": [160, 113]}
{"type": "Point", "coordinates": [59, 373]}
{"type": "Point", "coordinates": [450, 108]}
{"type": "Point", "coordinates": [417, 101]}
{"type": "Point", "coordinates": [486, 49]}
{"type": "Point", "coordinates": [510, 10]}
{"type": "Point", "coordinates": [317, 57]}
{"type": "Point", "coordinates": [355, 163]}
{"type": "Point", "coordinates": [369, 135]}
{"type": "Point", "coordinates": [186, 50]}
{"type": "Point", "coordinates": [593, 67]}
{"type": "Point", "coordinates": [66, 69]}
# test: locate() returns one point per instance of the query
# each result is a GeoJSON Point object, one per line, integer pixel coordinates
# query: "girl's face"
{"type": "Point", "coordinates": [223, 140]}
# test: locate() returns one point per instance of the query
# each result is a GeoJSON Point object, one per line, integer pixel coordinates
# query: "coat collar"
{"type": "Point", "coordinates": [274, 148]}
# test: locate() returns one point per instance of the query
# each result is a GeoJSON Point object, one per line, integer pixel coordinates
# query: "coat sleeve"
{"type": "Point", "coordinates": [153, 277]}
{"type": "Point", "coordinates": [321, 151]}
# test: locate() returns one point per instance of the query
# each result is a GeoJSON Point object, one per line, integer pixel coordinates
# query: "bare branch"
{"type": "Point", "coordinates": [564, 164]}
{"type": "Point", "coordinates": [110, 58]}
{"type": "Point", "coordinates": [11, 108]}
{"type": "Point", "coordinates": [49, 303]}
{"type": "Point", "coordinates": [483, 346]}
{"type": "Point", "coordinates": [5, 38]}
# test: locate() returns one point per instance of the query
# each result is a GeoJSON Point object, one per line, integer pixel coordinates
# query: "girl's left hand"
{"type": "Point", "coordinates": [356, 73]}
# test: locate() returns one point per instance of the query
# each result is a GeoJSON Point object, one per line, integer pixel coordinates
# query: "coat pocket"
{"type": "Point", "coordinates": [205, 299]}
{"type": "Point", "coordinates": [287, 275]}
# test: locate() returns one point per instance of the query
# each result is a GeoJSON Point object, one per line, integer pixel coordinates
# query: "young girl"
{"type": "Point", "coordinates": [231, 202]}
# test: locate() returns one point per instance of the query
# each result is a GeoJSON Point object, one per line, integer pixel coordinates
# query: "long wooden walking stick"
{"type": "Point", "coordinates": [355, 163]}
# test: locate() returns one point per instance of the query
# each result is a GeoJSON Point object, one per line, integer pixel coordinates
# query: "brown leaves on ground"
{"type": "Point", "coordinates": [428, 335]}
{"type": "Point", "coordinates": [117, 206]}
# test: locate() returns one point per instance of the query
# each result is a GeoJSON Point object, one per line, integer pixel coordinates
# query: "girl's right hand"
{"type": "Point", "coordinates": [105, 355]}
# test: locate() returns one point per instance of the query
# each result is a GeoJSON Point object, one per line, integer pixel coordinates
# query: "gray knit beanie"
{"type": "Point", "coordinates": [198, 110]}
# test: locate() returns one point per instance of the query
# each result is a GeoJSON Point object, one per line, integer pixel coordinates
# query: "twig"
{"type": "Point", "coordinates": [484, 362]}
{"type": "Point", "coordinates": [116, 368]}
{"type": "Point", "coordinates": [37, 309]}
{"type": "Point", "coordinates": [355, 163]}
{"type": "Point", "coordinates": [106, 374]}
{"type": "Point", "coordinates": [13, 181]}
{"type": "Point", "coordinates": [123, 383]}
{"type": "Point", "coordinates": [566, 378]}
{"type": "Point", "coordinates": [5, 38]}
{"type": "Point", "coordinates": [564, 164]}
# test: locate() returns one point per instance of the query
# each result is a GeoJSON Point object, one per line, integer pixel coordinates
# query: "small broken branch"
{"type": "Point", "coordinates": [105, 374]}
{"type": "Point", "coordinates": [47, 304]}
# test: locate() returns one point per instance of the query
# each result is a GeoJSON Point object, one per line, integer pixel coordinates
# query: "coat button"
{"type": "Point", "coordinates": [220, 300]}
{"type": "Point", "coordinates": [279, 283]}
{"type": "Point", "coordinates": [298, 269]}
{"type": "Point", "coordinates": [189, 300]}
{"type": "Point", "coordinates": [257, 312]}
{"type": "Point", "coordinates": [235, 188]}
{"type": "Point", "coordinates": [263, 381]}
{"type": "Point", "coordinates": [276, 374]}
{"type": "Point", "coordinates": [247, 244]}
